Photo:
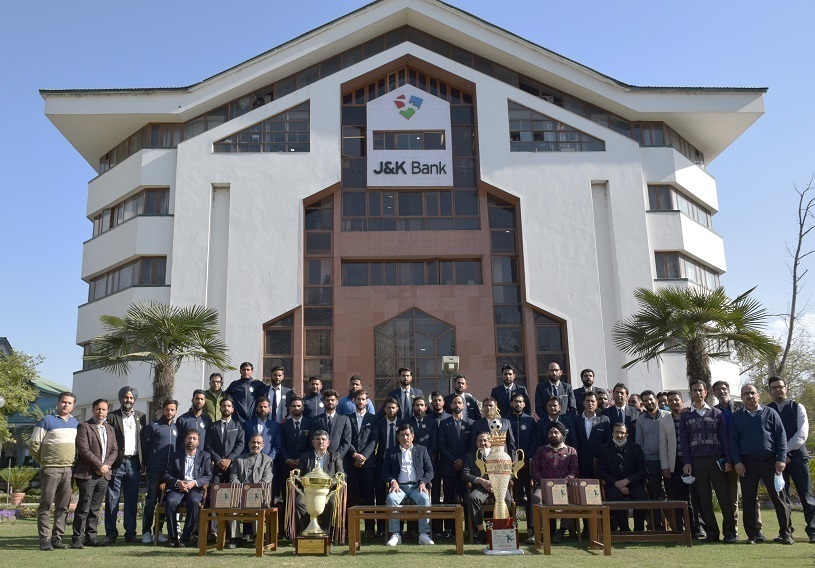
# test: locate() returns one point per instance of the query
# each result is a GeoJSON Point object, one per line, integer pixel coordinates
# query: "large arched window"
{"type": "Point", "coordinates": [418, 341]}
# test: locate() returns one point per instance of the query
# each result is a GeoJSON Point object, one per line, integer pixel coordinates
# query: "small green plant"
{"type": "Point", "coordinates": [18, 478]}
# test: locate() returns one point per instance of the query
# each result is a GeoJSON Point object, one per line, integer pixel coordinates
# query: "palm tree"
{"type": "Point", "coordinates": [163, 335]}
{"type": "Point", "coordinates": [705, 324]}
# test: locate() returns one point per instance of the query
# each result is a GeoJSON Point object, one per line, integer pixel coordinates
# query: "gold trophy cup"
{"type": "Point", "coordinates": [318, 486]}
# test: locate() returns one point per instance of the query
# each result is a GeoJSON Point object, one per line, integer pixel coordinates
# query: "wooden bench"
{"type": "Point", "coordinates": [598, 518]}
{"type": "Point", "coordinates": [266, 519]}
{"type": "Point", "coordinates": [404, 513]}
{"type": "Point", "coordinates": [654, 535]}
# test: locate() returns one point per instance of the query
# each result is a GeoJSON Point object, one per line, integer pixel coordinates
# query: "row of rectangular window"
{"type": "Point", "coordinates": [412, 273]}
{"type": "Point", "coordinates": [531, 131]}
{"type": "Point", "coordinates": [392, 203]}
{"type": "Point", "coordinates": [144, 271]}
{"type": "Point", "coordinates": [673, 265]}
{"type": "Point", "coordinates": [147, 202]}
{"type": "Point", "coordinates": [667, 198]}
{"type": "Point", "coordinates": [400, 140]}
{"type": "Point", "coordinates": [287, 131]}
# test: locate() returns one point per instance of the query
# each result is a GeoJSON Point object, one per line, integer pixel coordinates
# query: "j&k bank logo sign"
{"type": "Point", "coordinates": [409, 113]}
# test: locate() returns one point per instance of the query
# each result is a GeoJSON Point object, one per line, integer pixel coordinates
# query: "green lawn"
{"type": "Point", "coordinates": [19, 548]}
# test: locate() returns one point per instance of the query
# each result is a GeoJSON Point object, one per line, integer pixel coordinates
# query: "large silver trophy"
{"type": "Point", "coordinates": [318, 487]}
{"type": "Point", "coordinates": [501, 530]}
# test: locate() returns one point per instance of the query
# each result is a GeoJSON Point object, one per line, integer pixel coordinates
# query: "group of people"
{"type": "Point", "coordinates": [425, 449]}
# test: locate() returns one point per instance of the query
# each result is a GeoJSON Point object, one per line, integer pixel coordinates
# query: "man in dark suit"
{"type": "Point", "coordinates": [621, 411]}
{"type": "Point", "coordinates": [471, 409]}
{"type": "Point", "coordinates": [491, 411]}
{"type": "Point", "coordinates": [425, 429]}
{"type": "Point", "coordinates": [454, 443]}
{"type": "Point", "coordinates": [481, 485]}
{"type": "Point", "coordinates": [407, 471]}
{"type": "Point", "coordinates": [225, 441]}
{"type": "Point", "coordinates": [189, 471]}
{"type": "Point", "coordinates": [405, 394]}
{"type": "Point", "coordinates": [503, 393]}
{"type": "Point", "coordinates": [555, 387]}
{"type": "Point", "coordinates": [262, 423]}
{"type": "Point", "coordinates": [245, 392]}
{"type": "Point", "coordinates": [621, 465]}
{"type": "Point", "coordinates": [523, 430]}
{"type": "Point", "coordinates": [338, 427]}
{"type": "Point", "coordinates": [331, 464]}
{"type": "Point", "coordinates": [587, 378]}
{"type": "Point", "coordinates": [96, 453]}
{"type": "Point", "coordinates": [295, 437]}
{"type": "Point", "coordinates": [279, 396]}
{"type": "Point", "coordinates": [589, 443]}
{"type": "Point", "coordinates": [552, 415]}
{"type": "Point", "coordinates": [127, 424]}
{"type": "Point", "coordinates": [388, 423]}
{"type": "Point", "coordinates": [360, 461]}
{"type": "Point", "coordinates": [438, 415]}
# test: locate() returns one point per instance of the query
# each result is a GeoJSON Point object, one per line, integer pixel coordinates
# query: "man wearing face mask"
{"type": "Point", "coordinates": [127, 425]}
{"type": "Point", "coordinates": [620, 464]}
{"type": "Point", "coordinates": [554, 460]}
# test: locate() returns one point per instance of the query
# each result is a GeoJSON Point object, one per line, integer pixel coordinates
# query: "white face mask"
{"type": "Point", "coordinates": [619, 443]}
{"type": "Point", "coordinates": [779, 483]}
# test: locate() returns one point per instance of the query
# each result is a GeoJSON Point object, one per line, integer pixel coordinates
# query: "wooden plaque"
{"type": "Point", "coordinates": [555, 491]}
{"type": "Point", "coordinates": [587, 492]}
{"type": "Point", "coordinates": [312, 545]}
{"type": "Point", "coordinates": [222, 496]}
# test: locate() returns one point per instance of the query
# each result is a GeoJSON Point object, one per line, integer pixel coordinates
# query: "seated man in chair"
{"type": "Point", "coordinates": [481, 485]}
{"type": "Point", "coordinates": [189, 471]}
{"type": "Point", "coordinates": [252, 467]}
{"type": "Point", "coordinates": [407, 471]}
{"type": "Point", "coordinates": [331, 464]}
{"type": "Point", "coordinates": [621, 465]}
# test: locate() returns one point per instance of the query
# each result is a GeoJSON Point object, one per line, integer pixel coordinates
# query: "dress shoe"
{"type": "Point", "coordinates": [133, 539]}
{"type": "Point", "coordinates": [710, 539]}
{"type": "Point", "coordinates": [212, 538]}
{"type": "Point", "coordinates": [786, 539]}
{"type": "Point", "coordinates": [231, 545]}
{"type": "Point", "coordinates": [530, 540]}
{"type": "Point", "coordinates": [812, 538]}
{"type": "Point", "coordinates": [482, 537]}
{"type": "Point", "coordinates": [760, 538]}
{"type": "Point", "coordinates": [731, 539]}
{"type": "Point", "coordinates": [446, 534]}
{"type": "Point", "coordinates": [379, 534]}
{"type": "Point", "coordinates": [369, 534]}
{"type": "Point", "coordinates": [58, 544]}
{"type": "Point", "coordinates": [557, 537]}
{"type": "Point", "coordinates": [700, 535]}
{"type": "Point", "coordinates": [46, 545]}
{"type": "Point", "coordinates": [183, 544]}
{"type": "Point", "coordinates": [752, 540]}
{"type": "Point", "coordinates": [109, 541]}
{"type": "Point", "coordinates": [77, 544]}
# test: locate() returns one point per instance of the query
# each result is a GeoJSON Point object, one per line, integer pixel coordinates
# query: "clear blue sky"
{"type": "Point", "coordinates": [95, 44]}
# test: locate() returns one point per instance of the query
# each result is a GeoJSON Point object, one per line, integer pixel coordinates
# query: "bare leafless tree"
{"type": "Point", "coordinates": [801, 250]}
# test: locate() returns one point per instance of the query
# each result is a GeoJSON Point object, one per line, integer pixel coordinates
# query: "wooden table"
{"type": "Point", "coordinates": [404, 513]}
{"type": "Point", "coordinates": [654, 535]}
{"type": "Point", "coordinates": [266, 520]}
{"type": "Point", "coordinates": [596, 515]}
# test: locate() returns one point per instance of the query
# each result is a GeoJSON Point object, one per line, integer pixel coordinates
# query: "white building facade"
{"type": "Point", "coordinates": [404, 183]}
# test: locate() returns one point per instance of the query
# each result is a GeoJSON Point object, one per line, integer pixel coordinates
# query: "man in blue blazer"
{"type": "Point", "coordinates": [407, 471]}
{"type": "Point", "coordinates": [503, 393]}
{"type": "Point", "coordinates": [190, 470]}
{"type": "Point", "coordinates": [555, 387]}
{"type": "Point", "coordinates": [621, 411]}
{"type": "Point", "coordinates": [454, 443]}
{"type": "Point", "coordinates": [262, 423]}
{"type": "Point", "coordinates": [337, 426]}
{"type": "Point", "coordinates": [225, 441]}
{"type": "Point", "coordinates": [360, 461]}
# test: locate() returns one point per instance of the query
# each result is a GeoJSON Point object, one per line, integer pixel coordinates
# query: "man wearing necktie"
{"type": "Point", "coordinates": [555, 387]}
{"type": "Point", "coordinates": [405, 394]}
{"type": "Point", "coordinates": [96, 453]}
{"type": "Point", "coordinates": [279, 395]}
{"type": "Point", "coordinates": [387, 439]}
{"type": "Point", "coordinates": [262, 423]}
{"type": "Point", "coordinates": [504, 392]}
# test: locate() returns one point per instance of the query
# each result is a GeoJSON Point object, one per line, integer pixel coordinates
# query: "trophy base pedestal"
{"type": "Point", "coordinates": [312, 545]}
{"type": "Point", "coordinates": [502, 538]}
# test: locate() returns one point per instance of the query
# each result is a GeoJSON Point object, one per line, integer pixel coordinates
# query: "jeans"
{"type": "Point", "coordinates": [408, 491]}
{"type": "Point", "coordinates": [123, 486]}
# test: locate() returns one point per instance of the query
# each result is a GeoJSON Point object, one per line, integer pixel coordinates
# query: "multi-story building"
{"type": "Point", "coordinates": [404, 183]}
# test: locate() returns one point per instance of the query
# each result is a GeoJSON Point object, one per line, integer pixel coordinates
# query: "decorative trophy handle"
{"type": "Point", "coordinates": [519, 462]}
{"type": "Point", "coordinates": [479, 461]}
{"type": "Point", "coordinates": [338, 480]}
{"type": "Point", "coordinates": [294, 477]}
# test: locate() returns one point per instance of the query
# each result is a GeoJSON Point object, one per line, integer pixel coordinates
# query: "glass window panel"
{"type": "Point", "coordinates": [319, 367]}
{"type": "Point", "coordinates": [468, 224]}
{"type": "Point", "coordinates": [463, 141]}
{"type": "Point", "coordinates": [287, 321]}
{"type": "Point", "coordinates": [390, 274]}
{"type": "Point", "coordinates": [468, 272]}
{"type": "Point", "coordinates": [278, 342]}
{"type": "Point", "coordinates": [425, 346]}
{"type": "Point", "coordinates": [308, 76]}
{"type": "Point", "coordinates": [507, 314]}
{"type": "Point", "coordinates": [270, 363]}
{"type": "Point", "coordinates": [464, 172]}
{"type": "Point", "coordinates": [355, 116]}
{"type": "Point", "coordinates": [434, 141]}
{"type": "Point", "coordinates": [517, 362]}
{"type": "Point", "coordinates": [351, 56]}
{"type": "Point", "coordinates": [462, 115]}
{"type": "Point", "coordinates": [410, 204]}
{"type": "Point", "coordinates": [374, 203]}
{"type": "Point", "coordinates": [318, 342]}
{"type": "Point", "coordinates": [442, 224]}
{"type": "Point", "coordinates": [411, 273]}
{"type": "Point", "coordinates": [319, 219]}
{"type": "Point", "coordinates": [388, 203]}
{"type": "Point", "coordinates": [126, 276]}
{"type": "Point", "coordinates": [353, 203]}
{"type": "Point", "coordinates": [354, 174]}
{"type": "Point", "coordinates": [446, 203]}
{"type": "Point", "coordinates": [433, 272]}
{"type": "Point", "coordinates": [504, 270]}
{"type": "Point", "coordinates": [447, 273]}
{"type": "Point", "coordinates": [542, 319]}
{"type": "Point", "coordinates": [510, 339]}
{"type": "Point", "coordinates": [446, 344]}
{"type": "Point", "coordinates": [506, 294]}
{"type": "Point", "coordinates": [466, 202]}
{"type": "Point", "coordinates": [355, 274]}
{"type": "Point", "coordinates": [330, 66]}
{"type": "Point", "coordinates": [284, 86]}
{"type": "Point", "coordinates": [503, 241]}
{"type": "Point", "coordinates": [549, 338]}
{"type": "Point", "coordinates": [502, 217]}
{"type": "Point", "coordinates": [431, 203]}
{"type": "Point", "coordinates": [317, 317]}
{"type": "Point", "coordinates": [318, 296]}
{"type": "Point", "coordinates": [317, 243]}
{"type": "Point", "coordinates": [318, 272]}
{"type": "Point", "coordinates": [376, 274]}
